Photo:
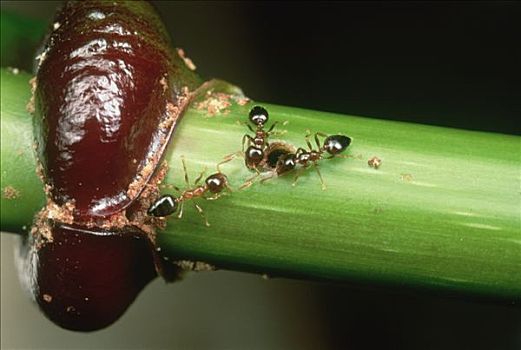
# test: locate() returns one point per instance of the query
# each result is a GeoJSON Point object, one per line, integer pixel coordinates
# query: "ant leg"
{"type": "Point", "coordinates": [201, 211]}
{"type": "Point", "coordinates": [214, 197]}
{"type": "Point", "coordinates": [186, 172]}
{"type": "Point", "coordinates": [181, 206]}
{"type": "Point", "coordinates": [232, 156]}
{"type": "Point", "coordinates": [246, 138]}
{"type": "Point", "coordinates": [297, 174]}
{"type": "Point", "coordinates": [308, 135]}
{"type": "Point", "coordinates": [300, 150]}
{"type": "Point", "coordinates": [243, 123]}
{"type": "Point", "coordinates": [317, 134]}
{"type": "Point", "coordinates": [320, 176]}
{"type": "Point", "coordinates": [177, 189]}
{"type": "Point", "coordinates": [200, 176]}
{"type": "Point", "coordinates": [272, 127]}
{"type": "Point", "coordinates": [224, 161]}
{"type": "Point", "coordinates": [250, 181]}
{"type": "Point", "coordinates": [228, 188]}
{"type": "Point", "coordinates": [344, 156]}
{"type": "Point", "coordinates": [276, 132]}
{"type": "Point", "coordinates": [269, 177]}
{"type": "Point", "coordinates": [270, 130]}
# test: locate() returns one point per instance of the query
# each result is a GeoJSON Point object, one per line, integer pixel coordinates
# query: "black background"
{"type": "Point", "coordinates": [453, 64]}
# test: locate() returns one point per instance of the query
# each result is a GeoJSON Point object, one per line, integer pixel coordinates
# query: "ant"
{"type": "Point", "coordinates": [256, 151]}
{"type": "Point", "coordinates": [333, 145]}
{"type": "Point", "coordinates": [213, 184]}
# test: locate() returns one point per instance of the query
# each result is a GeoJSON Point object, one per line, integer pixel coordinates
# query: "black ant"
{"type": "Point", "coordinates": [213, 184]}
{"type": "Point", "coordinates": [333, 145]}
{"type": "Point", "coordinates": [255, 154]}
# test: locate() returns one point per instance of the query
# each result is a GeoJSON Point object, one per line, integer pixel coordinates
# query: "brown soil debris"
{"type": "Point", "coordinates": [10, 192]}
{"type": "Point", "coordinates": [240, 100]}
{"type": "Point", "coordinates": [196, 266]}
{"type": "Point", "coordinates": [63, 214]}
{"type": "Point", "coordinates": [374, 162]}
{"type": "Point", "coordinates": [215, 103]}
{"type": "Point", "coordinates": [137, 185]}
{"type": "Point", "coordinates": [30, 105]}
{"type": "Point", "coordinates": [41, 231]}
{"type": "Point", "coordinates": [406, 177]}
{"type": "Point", "coordinates": [164, 83]}
{"type": "Point", "coordinates": [188, 62]}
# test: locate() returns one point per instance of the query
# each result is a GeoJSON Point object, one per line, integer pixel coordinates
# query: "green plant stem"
{"type": "Point", "coordinates": [442, 211]}
{"type": "Point", "coordinates": [19, 36]}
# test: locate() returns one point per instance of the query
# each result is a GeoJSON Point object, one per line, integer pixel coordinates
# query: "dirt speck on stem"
{"type": "Point", "coordinates": [197, 266]}
{"type": "Point", "coordinates": [10, 192]}
{"type": "Point", "coordinates": [30, 105]}
{"type": "Point", "coordinates": [406, 177]}
{"type": "Point", "coordinates": [374, 162]}
{"type": "Point", "coordinates": [215, 103]}
{"type": "Point", "coordinates": [164, 84]}
{"type": "Point", "coordinates": [241, 101]}
{"type": "Point", "coordinates": [188, 62]}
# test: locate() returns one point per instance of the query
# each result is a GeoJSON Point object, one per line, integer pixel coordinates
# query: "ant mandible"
{"type": "Point", "coordinates": [333, 145]}
{"type": "Point", "coordinates": [214, 184]}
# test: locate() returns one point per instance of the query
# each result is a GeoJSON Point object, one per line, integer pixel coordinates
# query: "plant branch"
{"type": "Point", "coordinates": [442, 211]}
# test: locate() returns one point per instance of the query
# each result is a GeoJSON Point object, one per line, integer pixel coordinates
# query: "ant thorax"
{"type": "Point", "coordinates": [260, 138]}
{"type": "Point", "coordinates": [194, 192]}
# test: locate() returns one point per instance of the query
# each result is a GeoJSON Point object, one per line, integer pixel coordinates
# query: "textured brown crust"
{"type": "Point", "coordinates": [10, 192]}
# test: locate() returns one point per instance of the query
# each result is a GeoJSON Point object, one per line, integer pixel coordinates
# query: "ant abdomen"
{"type": "Point", "coordinates": [163, 206]}
{"type": "Point", "coordinates": [336, 144]}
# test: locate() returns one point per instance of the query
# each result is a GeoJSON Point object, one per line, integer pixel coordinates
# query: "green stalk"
{"type": "Point", "coordinates": [18, 38]}
{"type": "Point", "coordinates": [441, 213]}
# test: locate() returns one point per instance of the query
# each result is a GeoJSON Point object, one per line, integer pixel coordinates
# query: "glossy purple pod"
{"type": "Point", "coordinates": [85, 279]}
{"type": "Point", "coordinates": [108, 93]}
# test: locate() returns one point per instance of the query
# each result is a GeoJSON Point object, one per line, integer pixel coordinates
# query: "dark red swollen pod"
{"type": "Point", "coordinates": [108, 93]}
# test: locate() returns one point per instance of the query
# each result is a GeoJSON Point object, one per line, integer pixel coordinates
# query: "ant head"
{"type": "Point", "coordinates": [335, 144]}
{"type": "Point", "coordinates": [163, 206]}
{"type": "Point", "coordinates": [286, 163]}
{"type": "Point", "coordinates": [259, 115]}
{"type": "Point", "coordinates": [216, 182]}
